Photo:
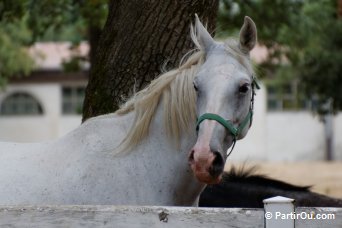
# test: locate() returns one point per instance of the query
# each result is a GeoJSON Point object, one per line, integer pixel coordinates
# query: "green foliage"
{"type": "Point", "coordinates": [270, 17]}
{"type": "Point", "coordinates": [304, 38]}
{"type": "Point", "coordinates": [65, 19]}
{"type": "Point", "coordinates": [23, 22]}
{"type": "Point", "coordinates": [12, 10]}
{"type": "Point", "coordinates": [316, 40]}
{"type": "Point", "coordinates": [14, 58]}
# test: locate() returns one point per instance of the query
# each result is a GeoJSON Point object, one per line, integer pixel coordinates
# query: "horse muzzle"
{"type": "Point", "coordinates": [206, 165]}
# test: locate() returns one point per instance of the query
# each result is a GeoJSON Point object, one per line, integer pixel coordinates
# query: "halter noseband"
{"type": "Point", "coordinates": [235, 131]}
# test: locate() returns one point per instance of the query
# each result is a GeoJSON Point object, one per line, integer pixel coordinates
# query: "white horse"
{"type": "Point", "coordinates": [148, 152]}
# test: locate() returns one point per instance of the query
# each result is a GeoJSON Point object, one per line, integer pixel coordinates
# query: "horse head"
{"type": "Point", "coordinates": [225, 90]}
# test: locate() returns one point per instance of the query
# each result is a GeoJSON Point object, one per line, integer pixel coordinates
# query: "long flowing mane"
{"type": "Point", "coordinates": [175, 88]}
{"type": "Point", "coordinates": [179, 103]}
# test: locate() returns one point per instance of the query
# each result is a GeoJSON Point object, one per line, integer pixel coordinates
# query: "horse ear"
{"type": "Point", "coordinates": [203, 36]}
{"type": "Point", "coordinates": [248, 35]}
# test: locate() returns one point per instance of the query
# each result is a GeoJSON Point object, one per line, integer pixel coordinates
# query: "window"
{"type": "Point", "coordinates": [287, 97]}
{"type": "Point", "coordinates": [72, 99]}
{"type": "Point", "coordinates": [20, 104]}
{"type": "Point", "coordinates": [273, 103]}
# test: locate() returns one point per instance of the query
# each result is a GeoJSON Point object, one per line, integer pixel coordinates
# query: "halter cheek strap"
{"type": "Point", "coordinates": [234, 131]}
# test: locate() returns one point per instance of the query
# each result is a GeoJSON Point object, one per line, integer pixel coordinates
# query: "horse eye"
{"type": "Point", "coordinates": [244, 88]}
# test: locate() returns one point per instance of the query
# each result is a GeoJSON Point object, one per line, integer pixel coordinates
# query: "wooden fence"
{"type": "Point", "coordinates": [277, 213]}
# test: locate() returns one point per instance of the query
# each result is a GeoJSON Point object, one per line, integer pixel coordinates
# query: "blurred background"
{"type": "Point", "coordinates": [47, 50]}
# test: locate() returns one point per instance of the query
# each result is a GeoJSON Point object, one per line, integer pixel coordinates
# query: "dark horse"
{"type": "Point", "coordinates": [244, 188]}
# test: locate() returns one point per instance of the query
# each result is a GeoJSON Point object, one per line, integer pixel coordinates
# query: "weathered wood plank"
{"type": "Point", "coordinates": [155, 217]}
{"type": "Point", "coordinates": [128, 216]}
{"type": "Point", "coordinates": [318, 217]}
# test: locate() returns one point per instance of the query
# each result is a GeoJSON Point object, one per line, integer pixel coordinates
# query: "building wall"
{"type": "Point", "coordinates": [274, 136]}
{"type": "Point", "coordinates": [286, 136]}
{"type": "Point", "coordinates": [338, 136]}
{"type": "Point", "coordinates": [294, 136]}
{"type": "Point", "coordinates": [51, 125]}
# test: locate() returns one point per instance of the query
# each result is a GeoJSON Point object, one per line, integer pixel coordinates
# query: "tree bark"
{"type": "Point", "coordinates": [138, 38]}
{"type": "Point", "coordinates": [94, 33]}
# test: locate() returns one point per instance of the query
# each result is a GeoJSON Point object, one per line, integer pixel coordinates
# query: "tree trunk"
{"type": "Point", "coordinates": [138, 38]}
{"type": "Point", "coordinates": [94, 33]}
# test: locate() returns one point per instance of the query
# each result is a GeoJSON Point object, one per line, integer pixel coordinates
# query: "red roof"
{"type": "Point", "coordinates": [50, 55]}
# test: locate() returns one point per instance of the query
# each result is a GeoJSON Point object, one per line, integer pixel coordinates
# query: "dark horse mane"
{"type": "Point", "coordinates": [244, 188]}
{"type": "Point", "coordinates": [249, 176]}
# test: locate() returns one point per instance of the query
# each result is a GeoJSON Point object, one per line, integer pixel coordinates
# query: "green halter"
{"type": "Point", "coordinates": [235, 131]}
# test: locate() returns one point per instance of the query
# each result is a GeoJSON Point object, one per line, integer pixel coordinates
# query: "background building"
{"type": "Point", "coordinates": [48, 104]}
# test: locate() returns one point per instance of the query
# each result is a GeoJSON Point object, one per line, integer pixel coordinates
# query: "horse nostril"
{"type": "Point", "coordinates": [191, 156]}
{"type": "Point", "coordinates": [218, 165]}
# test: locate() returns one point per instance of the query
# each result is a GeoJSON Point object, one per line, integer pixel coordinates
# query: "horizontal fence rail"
{"type": "Point", "coordinates": [276, 214]}
{"type": "Point", "coordinates": [128, 217]}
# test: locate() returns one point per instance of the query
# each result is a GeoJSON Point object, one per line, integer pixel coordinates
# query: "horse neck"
{"type": "Point", "coordinates": [174, 160]}
{"type": "Point", "coordinates": [158, 129]}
